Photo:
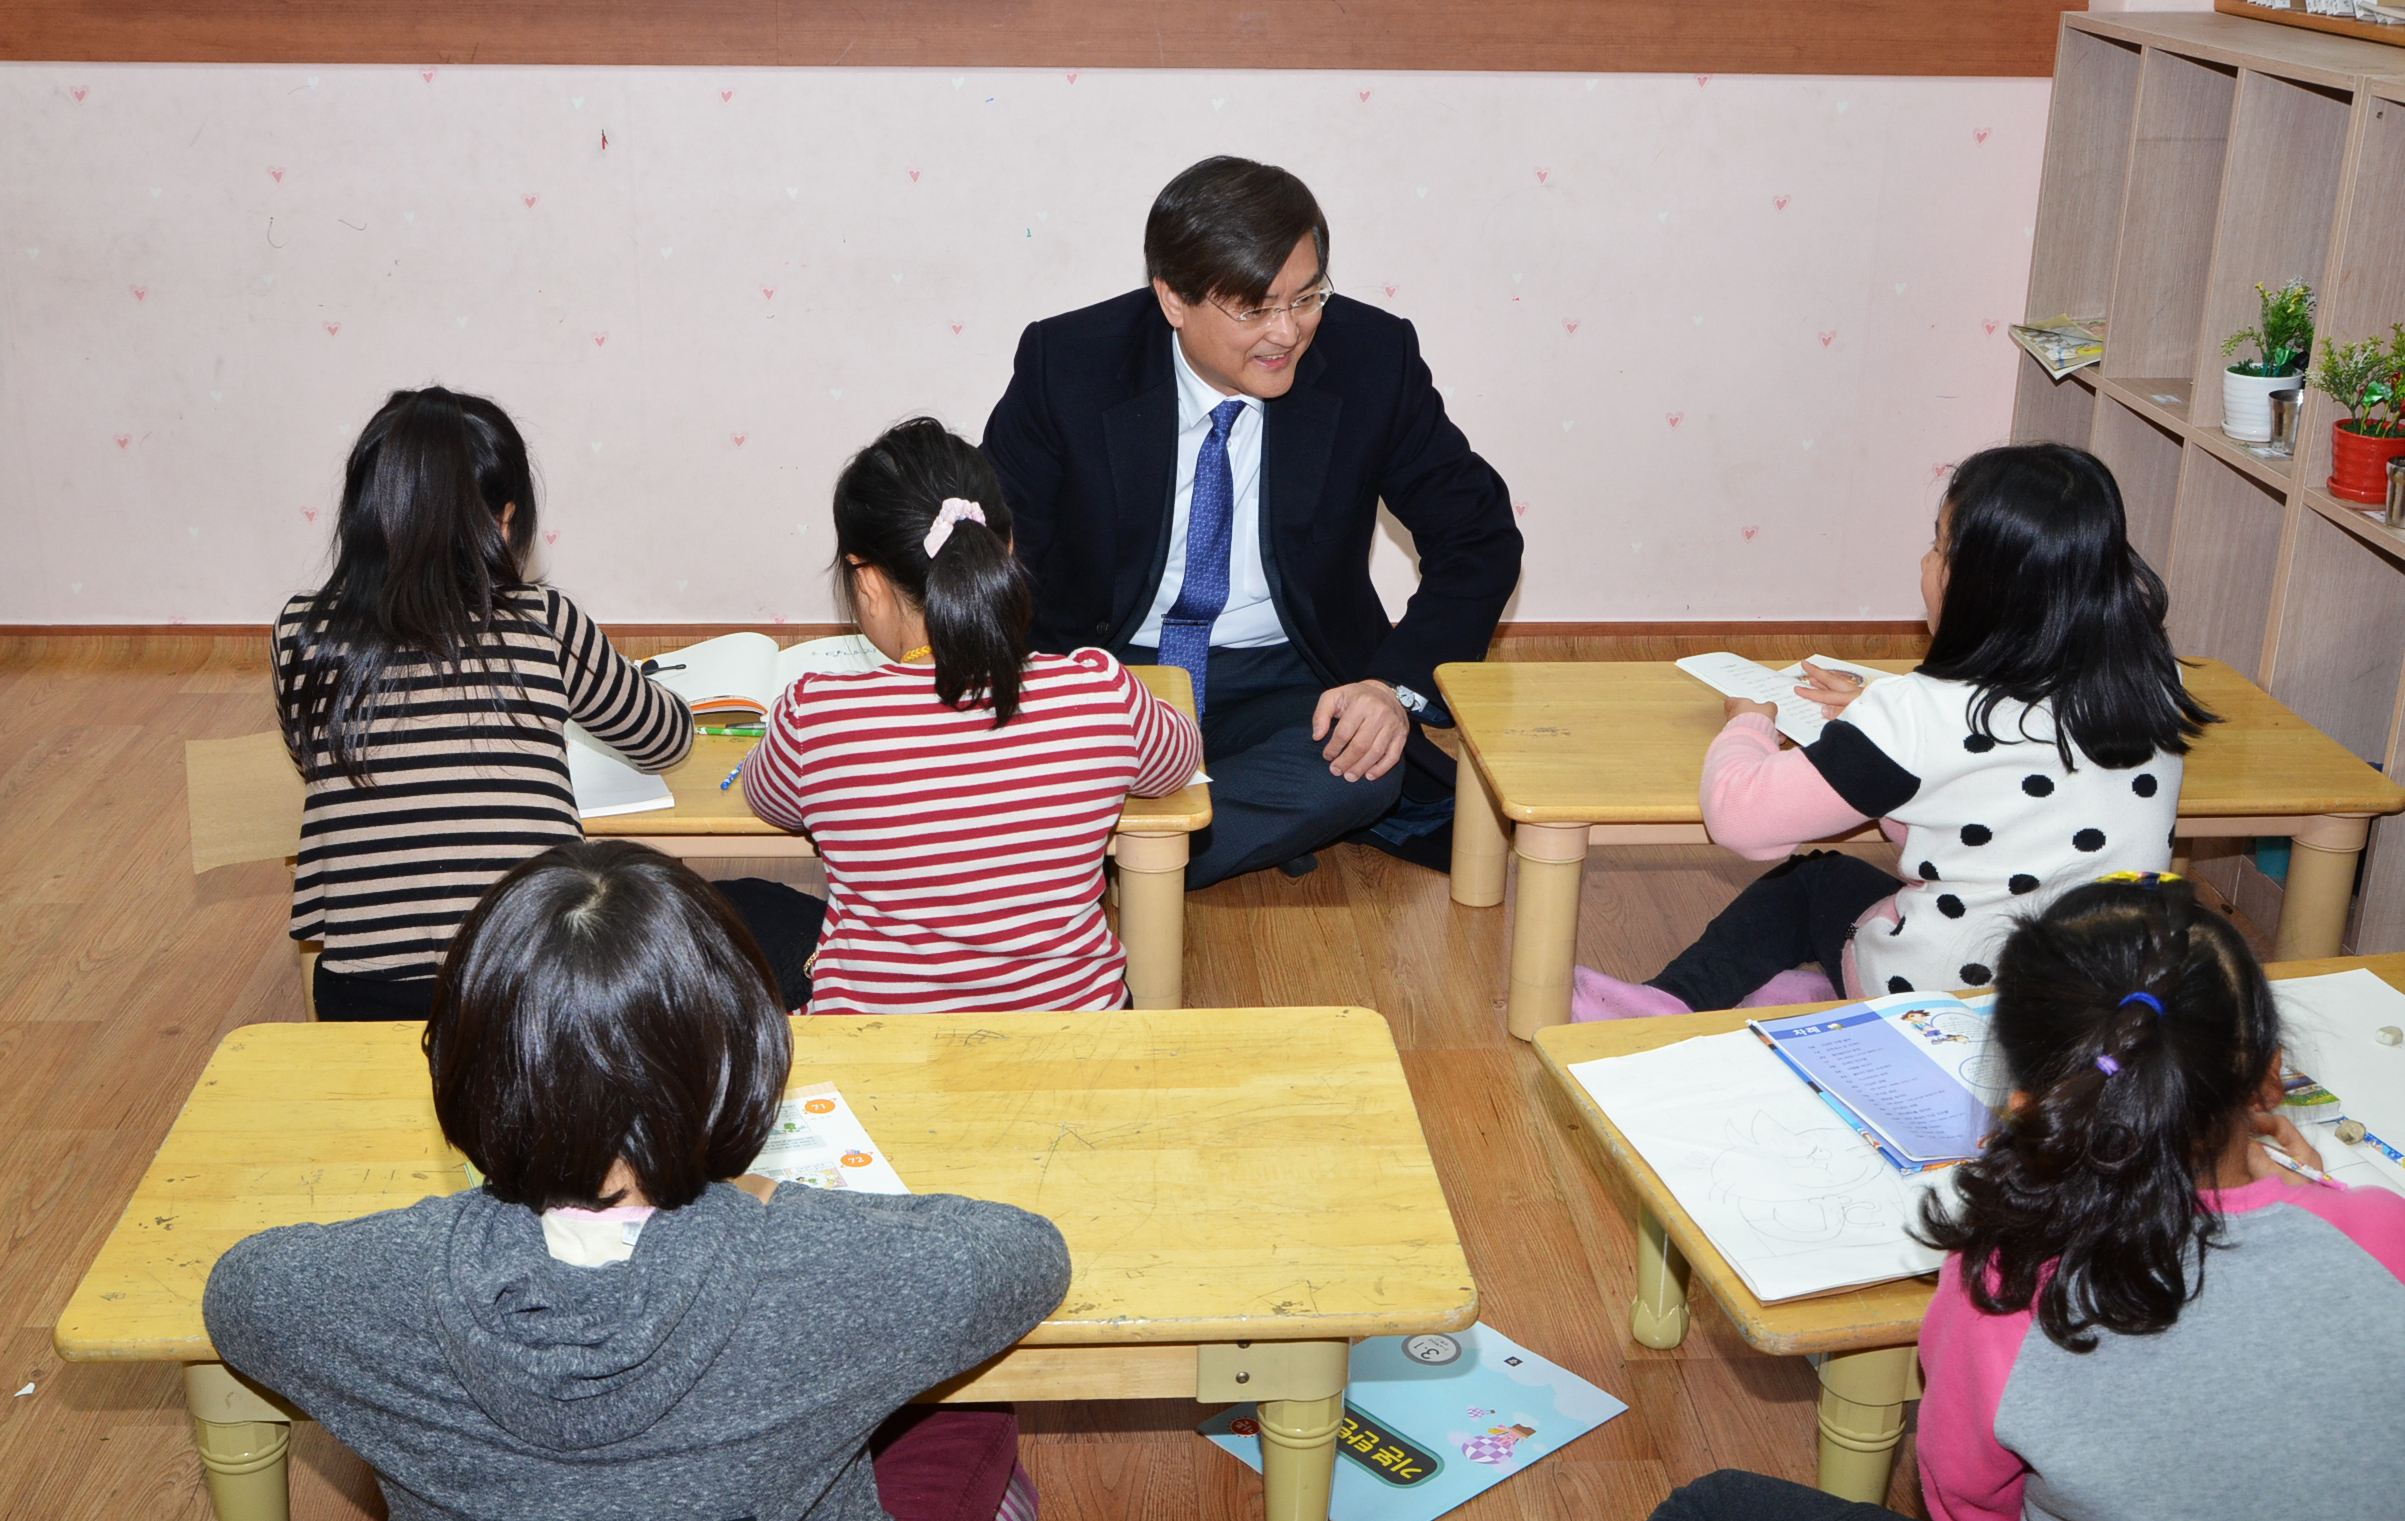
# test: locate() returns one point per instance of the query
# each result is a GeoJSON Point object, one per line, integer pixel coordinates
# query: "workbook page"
{"type": "Point", "coordinates": [841, 655]}
{"type": "Point", "coordinates": [605, 785]}
{"type": "Point", "coordinates": [819, 1143]}
{"type": "Point", "coordinates": [738, 667]}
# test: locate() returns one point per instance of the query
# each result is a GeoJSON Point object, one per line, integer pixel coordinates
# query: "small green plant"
{"type": "Point", "coordinates": [2368, 378]}
{"type": "Point", "coordinates": [2284, 341]}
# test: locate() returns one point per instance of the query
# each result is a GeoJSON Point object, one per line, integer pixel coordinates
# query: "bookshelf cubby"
{"type": "Point", "coordinates": [2189, 156]}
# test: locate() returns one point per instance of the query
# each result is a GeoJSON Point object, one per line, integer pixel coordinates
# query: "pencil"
{"type": "Point", "coordinates": [731, 775]}
{"type": "Point", "coordinates": [739, 731]}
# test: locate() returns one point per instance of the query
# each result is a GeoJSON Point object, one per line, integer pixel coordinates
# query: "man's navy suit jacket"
{"type": "Point", "coordinates": [1085, 441]}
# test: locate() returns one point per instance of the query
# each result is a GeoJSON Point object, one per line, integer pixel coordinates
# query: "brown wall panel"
{"type": "Point", "coordinates": [1914, 37]}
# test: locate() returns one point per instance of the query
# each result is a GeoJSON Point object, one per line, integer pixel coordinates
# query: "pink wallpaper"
{"type": "Point", "coordinates": [1721, 334]}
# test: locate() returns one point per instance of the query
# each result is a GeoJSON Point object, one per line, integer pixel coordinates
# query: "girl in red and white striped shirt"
{"type": "Point", "coordinates": [961, 794]}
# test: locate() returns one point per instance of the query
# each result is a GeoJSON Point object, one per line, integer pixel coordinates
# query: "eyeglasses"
{"type": "Point", "coordinates": [1302, 306]}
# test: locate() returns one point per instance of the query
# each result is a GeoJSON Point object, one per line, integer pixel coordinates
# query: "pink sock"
{"type": "Point", "coordinates": [1595, 996]}
{"type": "Point", "coordinates": [1799, 985]}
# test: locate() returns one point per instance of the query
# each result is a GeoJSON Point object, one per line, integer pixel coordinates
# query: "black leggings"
{"type": "Point", "coordinates": [1734, 1495]}
{"type": "Point", "coordinates": [1801, 910]}
{"type": "Point", "coordinates": [784, 920]}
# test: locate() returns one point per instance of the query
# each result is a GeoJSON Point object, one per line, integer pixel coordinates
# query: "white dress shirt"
{"type": "Point", "coordinates": [1250, 619]}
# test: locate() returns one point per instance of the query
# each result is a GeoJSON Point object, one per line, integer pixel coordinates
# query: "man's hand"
{"type": "Point", "coordinates": [1370, 727]}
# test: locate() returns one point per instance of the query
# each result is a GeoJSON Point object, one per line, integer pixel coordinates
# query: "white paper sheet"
{"type": "Point", "coordinates": [1795, 1200]}
{"type": "Point", "coordinates": [1735, 676]}
{"type": "Point", "coordinates": [2330, 1025]}
{"type": "Point", "coordinates": [605, 785]}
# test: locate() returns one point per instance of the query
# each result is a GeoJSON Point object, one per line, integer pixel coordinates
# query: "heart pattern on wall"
{"type": "Point", "coordinates": [923, 269]}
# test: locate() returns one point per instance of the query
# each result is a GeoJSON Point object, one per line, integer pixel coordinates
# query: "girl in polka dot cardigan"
{"type": "Point", "coordinates": [2038, 746]}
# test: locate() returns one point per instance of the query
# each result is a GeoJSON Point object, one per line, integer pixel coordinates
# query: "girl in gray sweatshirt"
{"type": "Point", "coordinates": [606, 1329]}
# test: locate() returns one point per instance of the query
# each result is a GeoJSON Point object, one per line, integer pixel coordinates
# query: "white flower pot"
{"type": "Point", "coordinates": [2246, 403]}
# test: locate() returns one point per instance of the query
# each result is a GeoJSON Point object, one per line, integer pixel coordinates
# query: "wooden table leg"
{"type": "Point", "coordinates": [1298, 1456]}
{"type": "Point", "coordinates": [1298, 1387]}
{"type": "Point", "coordinates": [1481, 839]}
{"type": "Point", "coordinates": [1544, 923]}
{"type": "Point", "coordinates": [2320, 887]}
{"type": "Point", "coordinates": [1862, 1397]}
{"type": "Point", "coordinates": [244, 1439]}
{"type": "Point", "coordinates": [1658, 1315]}
{"type": "Point", "coordinates": [1152, 917]}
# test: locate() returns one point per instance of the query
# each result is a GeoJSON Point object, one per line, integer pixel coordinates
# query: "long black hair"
{"type": "Point", "coordinates": [2127, 1110]}
{"type": "Point", "coordinates": [603, 1002]}
{"type": "Point", "coordinates": [420, 552]}
{"type": "Point", "coordinates": [973, 594]}
{"type": "Point", "coordinates": [2047, 603]}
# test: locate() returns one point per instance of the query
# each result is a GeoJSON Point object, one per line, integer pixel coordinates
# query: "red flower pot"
{"type": "Point", "coordinates": [2359, 463]}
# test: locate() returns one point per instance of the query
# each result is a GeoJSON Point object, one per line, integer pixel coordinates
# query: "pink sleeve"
{"type": "Point", "coordinates": [1966, 1360]}
{"type": "Point", "coordinates": [2372, 1218]}
{"type": "Point", "coordinates": [1761, 801]}
{"type": "Point", "coordinates": [772, 773]}
{"type": "Point", "coordinates": [1168, 745]}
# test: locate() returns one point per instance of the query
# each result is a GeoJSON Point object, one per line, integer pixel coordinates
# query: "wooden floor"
{"type": "Point", "coordinates": [120, 971]}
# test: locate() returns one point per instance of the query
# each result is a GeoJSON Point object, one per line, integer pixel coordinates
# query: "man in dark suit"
{"type": "Point", "coordinates": [1194, 472]}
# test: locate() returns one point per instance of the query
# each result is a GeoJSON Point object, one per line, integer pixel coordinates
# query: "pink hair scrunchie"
{"type": "Point", "coordinates": [955, 510]}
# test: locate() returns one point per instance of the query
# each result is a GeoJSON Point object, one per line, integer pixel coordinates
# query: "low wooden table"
{"type": "Point", "coordinates": [1188, 1157]}
{"type": "Point", "coordinates": [1866, 1340]}
{"type": "Point", "coordinates": [1560, 756]}
{"type": "Point", "coordinates": [1151, 844]}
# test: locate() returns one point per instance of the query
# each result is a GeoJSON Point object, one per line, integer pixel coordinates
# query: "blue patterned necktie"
{"type": "Point", "coordinates": [1186, 630]}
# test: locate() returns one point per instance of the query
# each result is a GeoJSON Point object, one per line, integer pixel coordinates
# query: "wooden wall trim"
{"type": "Point", "coordinates": [690, 633]}
{"type": "Point", "coordinates": [1906, 37]}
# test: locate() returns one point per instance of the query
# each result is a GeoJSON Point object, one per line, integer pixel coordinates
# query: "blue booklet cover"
{"type": "Point", "coordinates": [1430, 1421]}
{"type": "Point", "coordinates": [1912, 1072]}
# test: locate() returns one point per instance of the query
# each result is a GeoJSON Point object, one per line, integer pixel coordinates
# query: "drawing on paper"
{"type": "Point", "coordinates": [1802, 1187]}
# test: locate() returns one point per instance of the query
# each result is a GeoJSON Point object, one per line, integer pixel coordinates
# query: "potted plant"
{"type": "Point", "coordinates": [2283, 342]}
{"type": "Point", "coordinates": [2368, 379]}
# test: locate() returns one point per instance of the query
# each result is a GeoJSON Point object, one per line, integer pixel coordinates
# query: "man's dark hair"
{"type": "Point", "coordinates": [1226, 227]}
{"type": "Point", "coordinates": [602, 1001]}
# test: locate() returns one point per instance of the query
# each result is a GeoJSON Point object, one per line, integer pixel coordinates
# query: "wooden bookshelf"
{"type": "Point", "coordinates": [2189, 156]}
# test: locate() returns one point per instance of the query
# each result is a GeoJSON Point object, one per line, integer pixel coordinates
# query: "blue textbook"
{"type": "Point", "coordinates": [1430, 1421]}
{"type": "Point", "coordinates": [1914, 1073]}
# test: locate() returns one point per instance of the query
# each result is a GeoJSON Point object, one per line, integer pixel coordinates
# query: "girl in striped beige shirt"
{"type": "Point", "coordinates": [963, 793]}
{"type": "Point", "coordinates": [424, 690]}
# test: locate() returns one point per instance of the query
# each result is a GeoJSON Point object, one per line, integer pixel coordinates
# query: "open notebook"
{"type": "Point", "coordinates": [734, 675]}
{"type": "Point", "coordinates": [738, 677]}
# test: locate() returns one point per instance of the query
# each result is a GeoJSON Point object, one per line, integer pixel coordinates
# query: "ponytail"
{"type": "Point", "coordinates": [2140, 1028]}
{"type": "Point", "coordinates": [890, 508]}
